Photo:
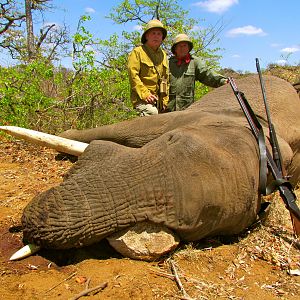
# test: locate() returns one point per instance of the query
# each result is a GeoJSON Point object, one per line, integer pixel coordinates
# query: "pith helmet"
{"type": "Point", "coordinates": [182, 37]}
{"type": "Point", "coordinates": [153, 24]}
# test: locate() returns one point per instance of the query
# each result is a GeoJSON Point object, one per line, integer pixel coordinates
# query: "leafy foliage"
{"type": "Point", "coordinates": [175, 20]}
{"type": "Point", "coordinates": [18, 37]}
{"type": "Point", "coordinates": [39, 96]}
{"type": "Point", "coordinates": [25, 90]}
{"type": "Point", "coordinates": [95, 92]}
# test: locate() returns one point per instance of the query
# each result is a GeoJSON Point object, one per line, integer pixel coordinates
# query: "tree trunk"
{"type": "Point", "coordinates": [29, 29]}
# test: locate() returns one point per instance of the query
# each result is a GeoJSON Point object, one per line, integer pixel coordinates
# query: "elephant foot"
{"type": "Point", "coordinates": [144, 241]}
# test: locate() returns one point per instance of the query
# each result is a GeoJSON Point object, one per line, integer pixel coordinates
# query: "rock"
{"type": "Point", "coordinates": [144, 241]}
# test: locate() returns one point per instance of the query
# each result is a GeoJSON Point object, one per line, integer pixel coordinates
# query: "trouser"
{"type": "Point", "coordinates": [146, 109]}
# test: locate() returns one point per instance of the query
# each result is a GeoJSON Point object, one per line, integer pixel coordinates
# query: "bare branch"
{"type": "Point", "coordinates": [43, 35]}
{"type": "Point", "coordinates": [9, 16]}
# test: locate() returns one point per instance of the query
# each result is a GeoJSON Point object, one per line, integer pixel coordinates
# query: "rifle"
{"type": "Point", "coordinates": [273, 138]}
{"type": "Point", "coordinates": [282, 184]}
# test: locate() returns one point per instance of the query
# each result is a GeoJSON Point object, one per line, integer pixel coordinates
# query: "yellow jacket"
{"type": "Point", "coordinates": [145, 74]}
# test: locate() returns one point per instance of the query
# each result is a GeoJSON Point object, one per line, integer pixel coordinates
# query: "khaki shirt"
{"type": "Point", "coordinates": [182, 81]}
{"type": "Point", "coordinates": [145, 74]}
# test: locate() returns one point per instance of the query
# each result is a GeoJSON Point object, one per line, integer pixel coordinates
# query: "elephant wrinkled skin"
{"type": "Point", "coordinates": [195, 171]}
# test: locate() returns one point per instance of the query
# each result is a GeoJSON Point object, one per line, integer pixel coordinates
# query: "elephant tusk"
{"type": "Point", "coordinates": [47, 140]}
{"type": "Point", "coordinates": [25, 251]}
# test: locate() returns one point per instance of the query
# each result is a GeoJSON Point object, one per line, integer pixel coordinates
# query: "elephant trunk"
{"type": "Point", "coordinates": [111, 187]}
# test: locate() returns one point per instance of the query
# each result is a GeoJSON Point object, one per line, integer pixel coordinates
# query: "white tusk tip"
{"type": "Point", "coordinates": [25, 251]}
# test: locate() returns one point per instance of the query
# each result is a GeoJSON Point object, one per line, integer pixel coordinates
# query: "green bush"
{"type": "Point", "coordinates": [44, 98]}
{"type": "Point", "coordinates": [23, 94]}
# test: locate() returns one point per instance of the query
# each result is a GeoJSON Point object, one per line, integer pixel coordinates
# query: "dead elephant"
{"type": "Point", "coordinates": [194, 172]}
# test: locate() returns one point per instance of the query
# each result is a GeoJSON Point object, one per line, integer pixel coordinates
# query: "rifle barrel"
{"type": "Point", "coordinates": [272, 133]}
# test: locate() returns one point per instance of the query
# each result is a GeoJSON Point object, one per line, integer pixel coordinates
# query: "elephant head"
{"type": "Point", "coordinates": [194, 172]}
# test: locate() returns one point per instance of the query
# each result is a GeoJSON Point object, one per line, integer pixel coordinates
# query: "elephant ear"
{"type": "Point", "coordinates": [294, 167]}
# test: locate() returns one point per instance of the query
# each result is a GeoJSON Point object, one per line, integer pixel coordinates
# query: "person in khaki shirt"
{"type": "Point", "coordinates": [148, 70]}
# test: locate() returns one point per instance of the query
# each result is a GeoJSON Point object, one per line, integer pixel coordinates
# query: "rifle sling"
{"type": "Point", "coordinates": [263, 188]}
{"type": "Point", "coordinates": [263, 166]}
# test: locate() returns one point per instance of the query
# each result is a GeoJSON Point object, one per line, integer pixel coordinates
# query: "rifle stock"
{"type": "Point", "coordinates": [283, 185]}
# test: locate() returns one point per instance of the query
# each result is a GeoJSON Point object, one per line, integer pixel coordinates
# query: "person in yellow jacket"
{"type": "Point", "coordinates": [148, 70]}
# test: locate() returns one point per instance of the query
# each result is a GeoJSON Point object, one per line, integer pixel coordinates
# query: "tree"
{"type": "Point", "coordinates": [9, 16]}
{"type": "Point", "coordinates": [20, 39]}
{"type": "Point", "coordinates": [29, 29]}
{"type": "Point", "coordinates": [176, 20]}
{"type": "Point", "coordinates": [100, 65]}
{"type": "Point", "coordinates": [96, 92]}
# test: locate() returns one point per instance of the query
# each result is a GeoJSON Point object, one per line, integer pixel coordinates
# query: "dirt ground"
{"type": "Point", "coordinates": [262, 263]}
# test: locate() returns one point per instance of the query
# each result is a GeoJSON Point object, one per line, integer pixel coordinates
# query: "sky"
{"type": "Point", "coordinates": [264, 29]}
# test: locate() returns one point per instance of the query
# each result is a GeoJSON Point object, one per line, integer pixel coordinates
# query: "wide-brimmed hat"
{"type": "Point", "coordinates": [153, 24]}
{"type": "Point", "coordinates": [182, 37]}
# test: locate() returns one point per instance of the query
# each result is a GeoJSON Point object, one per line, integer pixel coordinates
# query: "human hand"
{"type": "Point", "coordinates": [151, 99]}
{"type": "Point", "coordinates": [225, 81]}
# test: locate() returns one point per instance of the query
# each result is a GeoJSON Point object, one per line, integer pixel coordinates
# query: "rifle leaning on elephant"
{"type": "Point", "coordinates": [274, 163]}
